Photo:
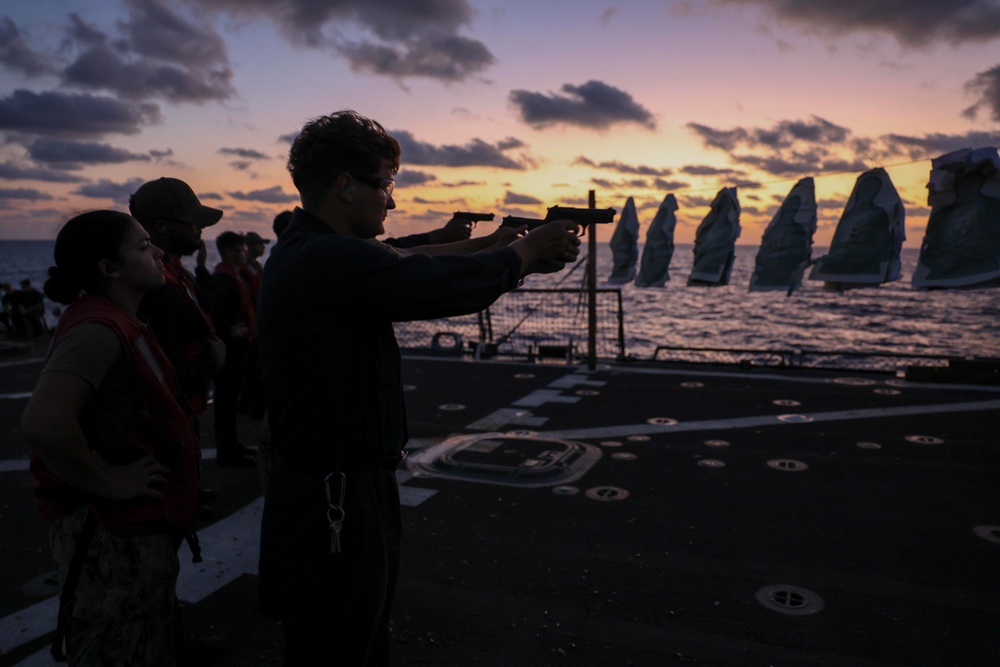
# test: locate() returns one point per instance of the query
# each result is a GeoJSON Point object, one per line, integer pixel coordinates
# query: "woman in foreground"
{"type": "Point", "coordinates": [114, 457]}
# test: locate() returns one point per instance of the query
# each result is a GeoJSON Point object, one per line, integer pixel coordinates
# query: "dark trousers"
{"type": "Point", "coordinates": [335, 608]}
{"type": "Point", "coordinates": [252, 398]}
{"type": "Point", "coordinates": [228, 384]}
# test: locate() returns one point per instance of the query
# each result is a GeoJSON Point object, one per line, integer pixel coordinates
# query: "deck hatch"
{"type": "Point", "coordinates": [509, 459]}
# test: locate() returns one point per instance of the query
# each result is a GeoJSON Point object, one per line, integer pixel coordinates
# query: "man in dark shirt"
{"type": "Point", "coordinates": [331, 371]}
{"type": "Point", "coordinates": [252, 398]}
{"type": "Point", "coordinates": [178, 312]}
{"type": "Point", "coordinates": [236, 323]}
{"type": "Point", "coordinates": [281, 222]}
{"type": "Point", "coordinates": [253, 271]}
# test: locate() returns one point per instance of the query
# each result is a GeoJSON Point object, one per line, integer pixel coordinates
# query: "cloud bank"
{"type": "Point", "coordinates": [77, 115]}
{"type": "Point", "coordinates": [594, 105]}
{"type": "Point", "coordinates": [393, 38]}
{"type": "Point", "coordinates": [476, 153]}
{"type": "Point", "coordinates": [987, 86]}
{"type": "Point", "coordinates": [913, 23]}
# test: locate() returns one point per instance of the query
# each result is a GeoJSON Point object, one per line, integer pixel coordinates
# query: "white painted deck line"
{"type": "Point", "coordinates": [28, 624]}
{"type": "Point", "coordinates": [768, 420]}
{"type": "Point", "coordinates": [230, 548]}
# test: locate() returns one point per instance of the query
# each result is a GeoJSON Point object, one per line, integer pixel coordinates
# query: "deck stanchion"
{"type": "Point", "coordinates": [592, 290]}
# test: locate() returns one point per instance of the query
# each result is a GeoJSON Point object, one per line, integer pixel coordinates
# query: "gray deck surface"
{"type": "Point", "coordinates": [580, 525]}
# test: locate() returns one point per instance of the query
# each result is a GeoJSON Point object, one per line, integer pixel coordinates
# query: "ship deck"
{"type": "Point", "coordinates": [635, 514]}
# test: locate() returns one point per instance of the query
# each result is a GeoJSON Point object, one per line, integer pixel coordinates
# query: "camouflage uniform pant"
{"type": "Point", "coordinates": [123, 607]}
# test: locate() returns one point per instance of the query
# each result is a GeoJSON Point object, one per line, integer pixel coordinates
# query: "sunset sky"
{"type": "Point", "coordinates": [503, 106]}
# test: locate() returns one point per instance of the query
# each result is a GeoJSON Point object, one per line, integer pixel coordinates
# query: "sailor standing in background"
{"type": "Point", "coordinates": [252, 271]}
{"type": "Point", "coordinates": [252, 396]}
{"type": "Point", "coordinates": [178, 312]}
{"type": "Point", "coordinates": [236, 321]}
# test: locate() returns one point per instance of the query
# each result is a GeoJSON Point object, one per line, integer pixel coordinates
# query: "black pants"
{"type": "Point", "coordinates": [252, 398]}
{"type": "Point", "coordinates": [228, 384]}
{"type": "Point", "coordinates": [335, 607]}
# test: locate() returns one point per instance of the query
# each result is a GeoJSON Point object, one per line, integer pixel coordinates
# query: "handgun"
{"type": "Point", "coordinates": [581, 216]}
{"type": "Point", "coordinates": [471, 218]}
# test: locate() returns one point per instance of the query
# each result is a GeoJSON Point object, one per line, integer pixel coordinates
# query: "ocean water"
{"type": "Point", "coordinates": [891, 318]}
{"type": "Point", "coordinates": [32, 259]}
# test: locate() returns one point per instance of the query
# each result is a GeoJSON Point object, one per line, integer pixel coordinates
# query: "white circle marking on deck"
{"type": "Point", "coordinates": [788, 599]}
{"type": "Point", "coordinates": [788, 465]}
{"type": "Point", "coordinates": [607, 493]}
{"type": "Point", "coordinates": [924, 439]}
{"type": "Point", "coordinates": [795, 419]}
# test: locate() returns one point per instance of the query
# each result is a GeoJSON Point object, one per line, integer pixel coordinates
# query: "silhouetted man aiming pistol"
{"type": "Point", "coordinates": [331, 369]}
{"type": "Point", "coordinates": [581, 216]}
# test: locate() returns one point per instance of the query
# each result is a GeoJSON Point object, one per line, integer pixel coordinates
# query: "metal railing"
{"type": "Point", "coordinates": [870, 361]}
{"type": "Point", "coordinates": [532, 323]}
{"type": "Point", "coordinates": [538, 324]}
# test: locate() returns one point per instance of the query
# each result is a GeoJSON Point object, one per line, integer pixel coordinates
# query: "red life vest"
{"type": "Point", "coordinates": [248, 314]}
{"type": "Point", "coordinates": [160, 428]}
{"type": "Point", "coordinates": [253, 274]}
{"type": "Point", "coordinates": [196, 350]}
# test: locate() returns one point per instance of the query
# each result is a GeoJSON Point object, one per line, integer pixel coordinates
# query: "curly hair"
{"type": "Point", "coordinates": [328, 146]}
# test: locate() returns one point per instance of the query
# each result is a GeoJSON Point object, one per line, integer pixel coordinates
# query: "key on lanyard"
{"type": "Point", "coordinates": [335, 511]}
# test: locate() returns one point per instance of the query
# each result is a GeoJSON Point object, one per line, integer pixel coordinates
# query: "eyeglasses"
{"type": "Point", "coordinates": [386, 185]}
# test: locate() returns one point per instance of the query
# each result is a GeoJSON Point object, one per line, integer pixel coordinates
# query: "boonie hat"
{"type": "Point", "coordinates": [253, 238]}
{"type": "Point", "coordinates": [170, 199]}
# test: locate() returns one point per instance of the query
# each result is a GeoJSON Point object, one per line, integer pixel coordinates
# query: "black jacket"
{"type": "Point", "coordinates": [329, 359]}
